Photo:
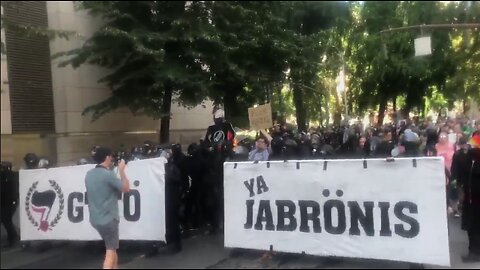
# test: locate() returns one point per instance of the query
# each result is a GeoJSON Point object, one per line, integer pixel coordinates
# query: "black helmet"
{"type": "Point", "coordinates": [149, 148]}
{"type": "Point", "coordinates": [177, 148]}
{"type": "Point", "coordinates": [31, 161]}
{"type": "Point", "coordinates": [6, 166]}
{"type": "Point", "coordinates": [94, 150]}
{"type": "Point", "coordinates": [277, 144]}
{"type": "Point", "coordinates": [192, 148]}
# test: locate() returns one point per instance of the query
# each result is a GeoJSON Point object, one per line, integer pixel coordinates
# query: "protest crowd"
{"type": "Point", "coordinates": [194, 178]}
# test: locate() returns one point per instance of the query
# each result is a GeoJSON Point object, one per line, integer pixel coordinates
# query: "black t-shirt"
{"type": "Point", "coordinates": [432, 136]}
{"type": "Point", "coordinates": [461, 165]}
{"type": "Point", "coordinates": [219, 136]}
{"type": "Point", "coordinates": [9, 187]}
{"type": "Point", "coordinates": [384, 149]}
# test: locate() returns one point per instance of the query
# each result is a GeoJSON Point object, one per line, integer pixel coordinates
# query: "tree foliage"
{"type": "Point", "coordinates": [241, 53]}
{"type": "Point", "coordinates": [384, 66]}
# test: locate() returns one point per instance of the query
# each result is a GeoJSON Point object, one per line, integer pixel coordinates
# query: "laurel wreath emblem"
{"type": "Point", "coordinates": [27, 204]}
{"type": "Point", "coordinates": [58, 191]}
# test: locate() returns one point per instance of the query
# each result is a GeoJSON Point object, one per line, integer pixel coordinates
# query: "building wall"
{"type": "Point", "coordinates": [6, 123]}
{"type": "Point", "coordinates": [74, 90]}
{"type": "Point", "coordinates": [190, 125]}
{"type": "Point", "coordinates": [29, 69]}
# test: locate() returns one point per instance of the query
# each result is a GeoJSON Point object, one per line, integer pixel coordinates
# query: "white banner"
{"type": "Point", "coordinates": [60, 195]}
{"type": "Point", "coordinates": [348, 208]}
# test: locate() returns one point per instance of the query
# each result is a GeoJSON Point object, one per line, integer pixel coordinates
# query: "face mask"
{"type": "Point", "coordinates": [218, 121]}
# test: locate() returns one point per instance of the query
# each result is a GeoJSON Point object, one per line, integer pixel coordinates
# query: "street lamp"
{"type": "Point", "coordinates": [423, 43]}
{"type": "Point", "coordinates": [423, 46]}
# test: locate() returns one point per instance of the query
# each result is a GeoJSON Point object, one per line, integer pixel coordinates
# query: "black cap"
{"type": "Point", "coordinates": [101, 153]}
{"type": "Point", "coordinates": [6, 165]}
{"type": "Point", "coordinates": [31, 160]}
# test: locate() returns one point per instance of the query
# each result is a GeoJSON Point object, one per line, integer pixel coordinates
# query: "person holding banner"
{"type": "Point", "coordinates": [261, 151]}
{"type": "Point", "coordinates": [103, 189]}
{"type": "Point", "coordinates": [9, 200]}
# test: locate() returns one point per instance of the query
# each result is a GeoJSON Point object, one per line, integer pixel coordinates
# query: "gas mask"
{"type": "Point", "coordinates": [219, 121]}
{"type": "Point", "coordinates": [219, 117]}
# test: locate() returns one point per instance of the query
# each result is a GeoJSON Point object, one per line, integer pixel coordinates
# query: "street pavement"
{"type": "Point", "coordinates": [206, 251]}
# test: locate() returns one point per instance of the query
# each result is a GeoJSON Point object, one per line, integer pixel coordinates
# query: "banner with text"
{"type": "Point", "coordinates": [350, 208]}
{"type": "Point", "coordinates": [53, 203]}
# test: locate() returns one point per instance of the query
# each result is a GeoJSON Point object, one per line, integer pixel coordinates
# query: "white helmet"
{"type": "Point", "coordinates": [219, 114]}
{"type": "Point", "coordinates": [43, 163]}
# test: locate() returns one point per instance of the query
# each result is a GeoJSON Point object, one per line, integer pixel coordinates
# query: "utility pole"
{"type": "Point", "coordinates": [434, 26]}
{"type": "Point", "coordinates": [344, 88]}
{"type": "Point", "coordinates": [341, 84]}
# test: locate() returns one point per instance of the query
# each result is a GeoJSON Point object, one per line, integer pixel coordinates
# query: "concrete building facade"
{"type": "Point", "coordinates": [72, 91]}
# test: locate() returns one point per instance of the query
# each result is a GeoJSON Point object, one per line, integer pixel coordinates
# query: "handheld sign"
{"type": "Point", "coordinates": [260, 117]}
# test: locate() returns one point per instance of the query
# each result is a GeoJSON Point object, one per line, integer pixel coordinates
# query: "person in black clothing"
{"type": "Point", "coordinates": [304, 148]}
{"type": "Point", "coordinates": [220, 135]}
{"type": "Point", "coordinates": [277, 131]}
{"type": "Point", "coordinates": [349, 142]}
{"type": "Point", "coordinates": [460, 168]}
{"type": "Point", "coordinates": [278, 149]}
{"type": "Point", "coordinates": [432, 139]}
{"type": "Point", "coordinates": [316, 142]}
{"type": "Point", "coordinates": [31, 161]}
{"type": "Point", "coordinates": [368, 141]}
{"type": "Point", "coordinates": [174, 185]}
{"type": "Point", "coordinates": [219, 141]}
{"type": "Point", "coordinates": [362, 151]}
{"type": "Point", "coordinates": [180, 160]}
{"type": "Point", "coordinates": [384, 148]}
{"type": "Point", "coordinates": [9, 200]}
{"type": "Point", "coordinates": [471, 202]}
{"type": "Point", "coordinates": [196, 201]}
{"type": "Point", "coordinates": [401, 129]}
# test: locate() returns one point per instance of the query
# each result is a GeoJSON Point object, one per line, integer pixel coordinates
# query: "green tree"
{"type": "Point", "coordinates": [464, 85]}
{"type": "Point", "coordinates": [152, 50]}
{"type": "Point", "coordinates": [247, 57]}
{"type": "Point", "coordinates": [307, 20]}
{"type": "Point", "coordinates": [384, 65]}
{"type": "Point", "coordinates": [241, 53]}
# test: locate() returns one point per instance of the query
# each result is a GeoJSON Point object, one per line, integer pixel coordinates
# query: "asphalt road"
{"type": "Point", "coordinates": [205, 251]}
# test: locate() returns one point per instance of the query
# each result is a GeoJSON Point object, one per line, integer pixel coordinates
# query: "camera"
{"type": "Point", "coordinates": [118, 156]}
